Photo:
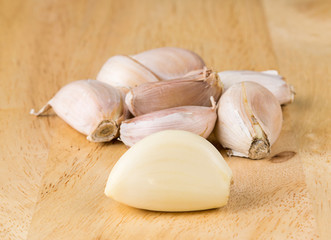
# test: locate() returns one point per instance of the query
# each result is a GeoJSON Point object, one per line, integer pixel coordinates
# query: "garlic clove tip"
{"type": "Point", "coordinates": [291, 87]}
{"type": "Point", "coordinates": [41, 111]}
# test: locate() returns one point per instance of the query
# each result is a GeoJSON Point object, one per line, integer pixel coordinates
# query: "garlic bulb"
{"type": "Point", "coordinates": [125, 72]}
{"type": "Point", "coordinates": [170, 62]}
{"type": "Point", "coordinates": [271, 80]}
{"type": "Point", "coordinates": [194, 90]}
{"type": "Point", "coordinates": [249, 120]}
{"type": "Point", "coordinates": [91, 107]}
{"type": "Point", "coordinates": [195, 119]}
{"type": "Point", "coordinates": [171, 171]}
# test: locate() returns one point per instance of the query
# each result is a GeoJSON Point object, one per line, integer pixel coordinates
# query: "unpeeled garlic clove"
{"type": "Point", "coordinates": [125, 72]}
{"type": "Point", "coordinates": [193, 90]}
{"type": "Point", "coordinates": [196, 119]}
{"type": "Point", "coordinates": [269, 79]}
{"type": "Point", "coordinates": [171, 171]}
{"type": "Point", "coordinates": [249, 120]}
{"type": "Point", "coordinates": [93, 108]}
{"type": "Point", "coordinates": [170, 62]}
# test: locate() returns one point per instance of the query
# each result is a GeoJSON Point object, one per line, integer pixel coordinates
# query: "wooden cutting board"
{"type": "Point", "coordinates": [52, 179]}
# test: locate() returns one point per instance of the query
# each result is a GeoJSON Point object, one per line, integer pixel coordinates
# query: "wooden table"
{"type": "Point", "coordinates": [52, 179]}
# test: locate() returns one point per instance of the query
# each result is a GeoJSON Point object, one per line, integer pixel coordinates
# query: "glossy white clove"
{"type": "Point", "coordinates": [171, 171]}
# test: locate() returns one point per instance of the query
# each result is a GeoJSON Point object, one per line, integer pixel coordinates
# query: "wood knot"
{"type": "Point", "coordinates": [282, 156]}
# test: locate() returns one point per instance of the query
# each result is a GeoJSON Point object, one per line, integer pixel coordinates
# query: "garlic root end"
{"type": "Point", "coordinates": [105, 132]}
{"type": "Point", "coordinates": [260, 148]}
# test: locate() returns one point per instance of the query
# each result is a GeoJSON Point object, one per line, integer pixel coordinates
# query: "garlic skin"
{"type": "Point", "coordinates": [193, 90]}
{"type": "Point", "coordinates": [270, 79]}
{"type": "Point", "coordinates": [125, 72]}
{"type": "Point", "coordinates": [171, 171]}
{"type": "Point", "coordinates": [93, 108]}
{"type": "Point", "coordinates": [249, 120]}
{"type": "Point", "coordinates": [195, 119]}
{"type": "Point", "coordinates": [170, 62]}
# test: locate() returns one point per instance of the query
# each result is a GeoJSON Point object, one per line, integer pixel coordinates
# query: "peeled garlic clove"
{"type": "Point", "coordinates": [195, 119]}
{"type": "Point", "coordinates": [171, 171]}
{"type": "Point", "coordinates": [170, 62]}
{"type": "Point", "coordinates": [269, 79]}
{"type": "Point", "coordinates": [125, 72]}
{"type": "Point", "coordinates": [194, 90]}
{"type": "Point", "coordinates": [91, 107]}
{"type": "Point", "coordinates": [249, 120]}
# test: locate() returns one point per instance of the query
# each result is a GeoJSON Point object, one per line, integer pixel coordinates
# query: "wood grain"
{"type": "Point", "coordinates": [303, 50]}
{"type": "Point", "coordinates": [52, 179]}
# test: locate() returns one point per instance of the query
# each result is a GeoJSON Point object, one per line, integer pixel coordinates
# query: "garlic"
{"type": "Point", "coordinates": [91, 107]}
{"type": "Point", "coordinates": [125, 72]}
{"type": "Point", "coordinates": [193, 90]}
{"type": "Point", "coordinates": [171, 171]}
{"type": "Point", "coordinates": [196, 119]}
{"type": "Point", "coordinates": [170, 62]}
{"type": "Point", "coordinates": [269, 79]}
{"type": "Point", "coordinates": [154, 65]}
{"type": "Point", "coordinates": [249, 120]}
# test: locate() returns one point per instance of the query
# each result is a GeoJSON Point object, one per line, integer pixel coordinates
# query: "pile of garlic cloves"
{"type": "Point", "coordinates": [171, 88]}
{"type": "Point", "coordinates": [164, 103]}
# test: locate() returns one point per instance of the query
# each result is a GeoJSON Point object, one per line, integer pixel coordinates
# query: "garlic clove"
{"type": "Point", "coordinates": [125, 72]}
{"type": "Point", "coordinates": [194, 90]}
{"type": "Point", "coordinates": [170, 62]}
{"type": "Point", "coordinates": [269, 79]}
{"type": "Point", "coordinates": [249, 120]}
{"type": "Point", "coordinates": [195, 119]}
{"type": "Point", "coordinates": [171, 171]}
{"type": "Point", "coordinates": [93, 108]}
{"type": "Point", "coordinates": [271, 72]}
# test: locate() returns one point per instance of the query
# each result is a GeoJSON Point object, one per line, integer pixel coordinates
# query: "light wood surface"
{"type": "Point", "coordinates": [52, 179]}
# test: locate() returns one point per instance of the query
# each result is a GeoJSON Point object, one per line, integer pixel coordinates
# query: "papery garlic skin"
{"type": "Point", "coordinates": [125, 72]}
{"type": "Point", "coordinates": [269, 79]}
{"type": "Point", "coordinates": [93, 108]}
{"type": "Point", "coordinates": [195, 119]}
{"type": "Point", "coordinates": [249, 120]}
{"type": "Point", "coordinates": [170, 62]}
{"type": "Point", "coordinates": [171, 171]}
{"type": "Point", "coordinates": [194, 90]}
